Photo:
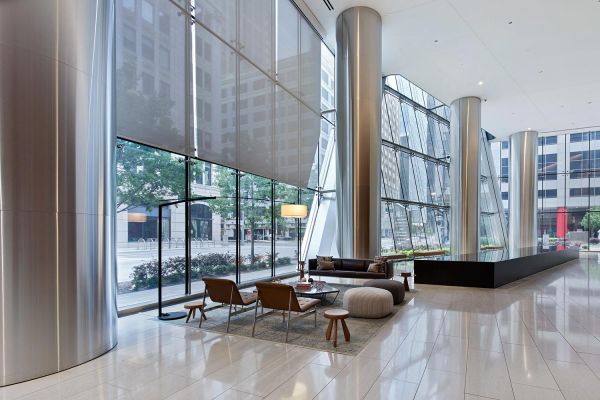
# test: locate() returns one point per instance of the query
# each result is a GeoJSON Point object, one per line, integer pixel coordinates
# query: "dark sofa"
{"type": "Point", "coordinates": [351, 268]}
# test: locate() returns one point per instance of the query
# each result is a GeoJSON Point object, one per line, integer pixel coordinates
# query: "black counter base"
{"type": "Point", "coordinates": [487, 274]}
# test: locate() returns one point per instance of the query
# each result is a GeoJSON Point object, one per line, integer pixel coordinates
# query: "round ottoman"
{"type": "Point", "coordinates": [368, 302]}
{"type": "Point", "coordinates": [394, 287]}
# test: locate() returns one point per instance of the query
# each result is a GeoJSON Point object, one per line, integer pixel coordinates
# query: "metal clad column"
{"type": "Point", "coordinates": [465, 138]}
{"type": "Point", "coordinates": [57, 259]}
{"type": "Point", "coordinates": [358, 94]}
{"type": "Point", "coordinates": [523, 196]}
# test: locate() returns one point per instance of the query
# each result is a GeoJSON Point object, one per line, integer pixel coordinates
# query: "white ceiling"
{"type": "Point", "coordinates": [539, 60]}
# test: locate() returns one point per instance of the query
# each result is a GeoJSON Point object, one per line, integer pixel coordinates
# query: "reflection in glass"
{"type": "Point", "coordinates": [286, 231]}
{"type": "Point", "coordinates": [214, 98]}
{"type": "Point", "coordinates": [255, 256]}
{"type": "Point", "coordinates": [256, 32]}
{"type": "Point", "coordinates": [213, 231]}
{"type": "Point", "coordinates": [150, 92]}
{"type": "Point", "coordinates": [255, 121]}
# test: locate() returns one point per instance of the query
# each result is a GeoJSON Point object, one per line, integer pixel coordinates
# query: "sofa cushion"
{"type": "Point", "coordinates": [319, 272]}
{"type": "Point", "coordinates": [370, 275]}
{"type": "Point", "coordinates": [354, 265]}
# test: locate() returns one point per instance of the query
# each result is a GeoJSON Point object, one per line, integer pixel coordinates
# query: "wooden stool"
{"type": "Point", "coordinates": [334, 316]}
{"type": "Point", "coordinates": [406, 275]}
{"type": "Point", "coordinates": [192, 307]}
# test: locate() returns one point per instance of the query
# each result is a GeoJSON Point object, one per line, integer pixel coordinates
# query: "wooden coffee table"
{"type": "Point", "coordinates": [334, 316]}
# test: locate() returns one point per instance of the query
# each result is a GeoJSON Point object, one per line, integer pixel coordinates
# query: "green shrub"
{"type": "Point", "coordinates": [284, 261]}
{"type": "Point", "coordinates": [145, 276]}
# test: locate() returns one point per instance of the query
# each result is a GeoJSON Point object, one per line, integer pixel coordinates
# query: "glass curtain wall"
{"type": "Point", "coordinates": [233, 82]}
{"type": "Point", "coordinates": [568, 188]}
{"type": "Point", "coordinates": [414, 167]}
{"type": "Point", "coordinates": [238, 87]}
{"type": "Point", "coordinates": [493, 222]}
{"type": "Point", "coordinates": [228, 201]}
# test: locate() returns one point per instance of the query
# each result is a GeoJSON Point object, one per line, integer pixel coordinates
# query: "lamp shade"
{"type": "Point", "coordinates": [137, 217]}
{"type": "Point", "coordinates": [294, 210]}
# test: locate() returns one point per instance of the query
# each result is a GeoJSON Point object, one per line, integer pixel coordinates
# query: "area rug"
{"type": "Point", "coordinates": [302, 330]}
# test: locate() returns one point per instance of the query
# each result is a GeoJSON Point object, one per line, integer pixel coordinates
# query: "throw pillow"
{"type": "Point", "coordinates": [374, 267]}
{"type": "Point", "coordinates": [320, 259]}
{"type": "Point", "coordinates": [325, 266]}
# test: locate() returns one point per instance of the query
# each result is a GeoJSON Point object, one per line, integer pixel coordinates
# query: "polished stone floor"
{"type": "Point", "coordinates": [534, 339]}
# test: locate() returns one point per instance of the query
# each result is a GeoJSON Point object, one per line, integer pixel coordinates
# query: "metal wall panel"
{"type": "Point", "coordinates": [523, 194]}
{"type": "Point", "coordinates": [465, 134]}
{"type": "Point", "coordinates": [57, 296]}
{"type": "Point", "coordinates": [358, 96]}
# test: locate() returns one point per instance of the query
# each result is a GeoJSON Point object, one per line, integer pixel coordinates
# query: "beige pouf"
{"type": "Point", "coordinates": [368, 302]}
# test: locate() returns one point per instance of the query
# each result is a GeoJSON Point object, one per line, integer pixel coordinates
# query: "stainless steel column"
{"type": "Point", "coordinates": [465, 137]}
{"type": "Point", "coordinates": [57, 277]}
{"type": "Point", "coordinates": [358, 127]}
{"type": "Point", "coordinates": [522, 191]}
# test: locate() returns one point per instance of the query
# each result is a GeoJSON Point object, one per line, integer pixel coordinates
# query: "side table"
{"type": "Point", "coordinates": [406, 275]}
{"type": "Point", "coordinates": [192, 307]}
{"type": "Point", "coordinates": [334, 316]}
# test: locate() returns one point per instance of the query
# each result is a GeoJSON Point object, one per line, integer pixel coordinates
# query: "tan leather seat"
{"type": "Point", "coordinates": [248, 298]}
{"type": "Point", "coordinates": [225, 291]}
{"type": "Point", "coordinates": [306, 304]}
{"type": "Point", "coordinates": [278, 296]}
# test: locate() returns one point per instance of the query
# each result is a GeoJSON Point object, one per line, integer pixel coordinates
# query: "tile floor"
{"type": "Point", "coordinates": [534, 339]}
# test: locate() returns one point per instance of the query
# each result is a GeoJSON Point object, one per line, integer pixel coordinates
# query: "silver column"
{"type": "Point", "coordinates": [358, 94]}
{"type": "Point", "coordinates": [465, 137]}
{"type": "Point", "coordinates": [57, 278]}
{"type": "Point", "coordinates": [522, 200]}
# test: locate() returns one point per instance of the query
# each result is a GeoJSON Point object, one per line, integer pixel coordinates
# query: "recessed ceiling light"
{"type": "Point", "coordinates": [528, 129]}
{"type": "Point", "coordinates": [480, 83]}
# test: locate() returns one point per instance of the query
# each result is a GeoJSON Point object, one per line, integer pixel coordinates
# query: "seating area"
{"type": "Point", "coordinates": [290, 302]}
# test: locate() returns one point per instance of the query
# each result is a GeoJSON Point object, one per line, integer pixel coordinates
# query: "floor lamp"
{"type": "Point", "coordinates": [296, 211]}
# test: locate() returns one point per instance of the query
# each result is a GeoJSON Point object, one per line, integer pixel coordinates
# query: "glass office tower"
{"type": "Point", "coordinates": [568, 188]}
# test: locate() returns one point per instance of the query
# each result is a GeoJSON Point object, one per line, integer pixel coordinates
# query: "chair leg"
{"type": "Point", "coordinates": [188, 316]}
{"type": "Point", "coordinates": [229, 317]}
{"type": "Point", "coordinates": [255, 313]}
{"type": "Point", "coordinates": [287, 330]}
{"type": "Point", "coordinates": [202, 309]}
{"type": "Point", "coordinates": [315, 316]}
{"type": "Point", "coordinates": [194, 313]}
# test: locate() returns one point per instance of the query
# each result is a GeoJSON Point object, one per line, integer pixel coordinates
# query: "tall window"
{"type": "Point", "coordinates": [568, 194]}
{"type": "Point", "coordinates": [414, 170]}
